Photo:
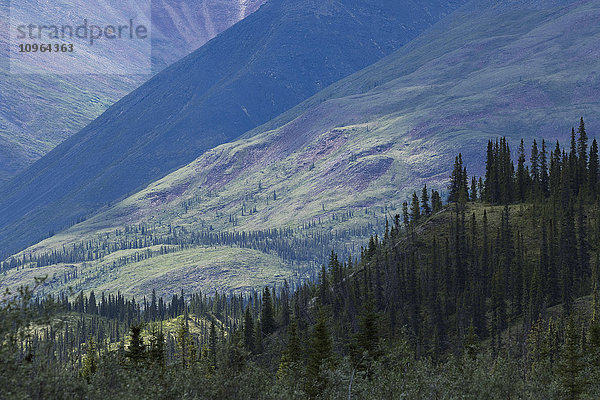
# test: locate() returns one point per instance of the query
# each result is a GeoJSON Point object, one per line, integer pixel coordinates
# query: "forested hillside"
{"type": "Point", "coordinates": [492, 295]}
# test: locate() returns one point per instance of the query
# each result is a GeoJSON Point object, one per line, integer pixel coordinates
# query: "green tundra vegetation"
{"type": "Point", "coordinates": [493, 295]}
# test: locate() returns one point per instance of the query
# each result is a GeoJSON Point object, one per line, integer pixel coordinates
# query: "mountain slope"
{"type": "Point", "coordinates": [515, 71]}
{"type": "Point", "coordinates": [275, 58]}
{"type": "Point", "coordinates": [350, 155]}
{"type": "Point", "coordinates": [58, 106]}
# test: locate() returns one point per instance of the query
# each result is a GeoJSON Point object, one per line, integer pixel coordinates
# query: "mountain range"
{"type": "Point", "coordinates": [269, 62]}
{"type": "Point", "coordinates": [347, 157]}
{"type": "Point", "coordinates": [40, 111]}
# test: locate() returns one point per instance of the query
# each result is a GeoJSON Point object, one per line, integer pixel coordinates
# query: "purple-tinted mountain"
{"type": "Point", "coordinates": [278, 56]}
{"type": "Point", "coordinates": [39, 111]}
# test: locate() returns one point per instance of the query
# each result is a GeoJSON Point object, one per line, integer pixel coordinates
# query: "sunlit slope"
{"type": "Point", "coordinates": [511, 72]}
{"type": "Point", "coordinates": [349, 156]}
{"type": "Point", "coordinates": [203, 269]}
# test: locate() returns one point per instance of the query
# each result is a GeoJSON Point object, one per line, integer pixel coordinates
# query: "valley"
{"type": "Point", "coordinates": [341, 163]}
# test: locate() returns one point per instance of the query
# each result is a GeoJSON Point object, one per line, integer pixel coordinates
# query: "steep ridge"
{"type": "Point", "coordinates": [272, 60]}
{"type": "Point", "coordinates": [41, 110]}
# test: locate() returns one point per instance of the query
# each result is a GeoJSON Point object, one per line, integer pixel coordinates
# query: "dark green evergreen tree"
{"type": "Point", "coordinates": [594, 170]}
{"type": "Point", "coordinates": [522, 179]}
{"type": "Point", "coordinates": [415, 209]}
{"type": "Point", "coordinates": [474, 193]}
{"type": "Point", "coordinates": [458, 182]}
{"type": "Point", "coordinates": [248, 330]}
{"type": "Point", "coordinates": [425, 202]}
{"type": "Point", "coordinates": [568, 259]}
{"type": "Point", "coordinates": [570, 367]}
{"type": "Point", "coordinates": [582, 154]}
{"type": "Point", "coordinates": [436, 201]}
{"type": "Point", "coordinates": [212, 341]}
{"type": "Point", "coordinates": [136, 351]}
{"type": "Point", "coordinates": [157, 350]}
{"type": "Point", "coordinates": [267, 316]}
{"type": "Point", "coordinates": [320, 357]}
{"type": "Point", "coordinates": [90, 361]}
{"type": "Point", "coordinates": [544, 177]}
{"type": "Point", "coordinates": [535, 164]}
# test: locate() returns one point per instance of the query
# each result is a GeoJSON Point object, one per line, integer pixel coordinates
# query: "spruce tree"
{"type": "Point", "coordinates": [474, 193]}
{"type": "Point", "coordinates": [213, 344]}
{"type": "Point", "coordinates": [582, 153]}
{"type": "Point", "coordinates": [485, 257]}
{"type": "Point", "coordinates": [293, 350]}
{"type": "Point", "coordinates": [291, 357]}
{"type": "Point", "coordinates": [521, 174]}
{"type": "Point", "coordinates": [568, 259]}
{"type": "Point", "coordinates": [584, 270]}
{"type": "Point", "coordinates": [136, 349]}
{"type": "Point", "coordinates": [535, 164]}
{"type": "Point", "coordinates": [156, 352]}
{"type": "Point", "coordinates": [320, 356]}
{"type": "Point", "coordinates": [425, 202]}
{"type": "Point", "coordinates": [571, 366]}
{"type": "Point", "coordinates": [471, 343]}
{"type": "Point", "coordinates": [555, 170]}
{"type": "Point", "coordinates": [436, 201]}
{"type": "Point", "coordinates": [415, 209]}
{"type": "Point", "coordinates": [90, 361]}
{"type": "Point", "coordinates": [185, 346]}
{"type": "Point", "coordinates": [267, 317]}
{"type": "Point", "coordinates": [594, 169]}
{"type": "Point", "coordinates": [405, 217]}
{"type": "Point", "coordinates": [248, 330]}
{"type": "Point", "coordinates": [458, 186]}
{"type": "Point", "coordinates": [258, 337]}
{"type": "Point", "coordinates": [367, 338]}
{"type": "Point", "coordinates": [544, 177]}
{"type": "Point", "coordinates": [574, 166]}
{"type": "Point", "coordinates": [489, 193]}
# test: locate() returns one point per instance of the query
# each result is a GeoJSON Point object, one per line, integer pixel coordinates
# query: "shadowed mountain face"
{"type": "Point", "coordinates": [40, 111]}
{"type": "Point", "coordinates": [285, 52]}
{"type": "Point", "coordinates": [182, 26]}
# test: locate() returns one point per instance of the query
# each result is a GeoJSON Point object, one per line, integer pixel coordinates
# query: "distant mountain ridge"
{"type": "Point", "coordinates": [280, 55]}
{"type": "Point", "coordinates": [40, 111]}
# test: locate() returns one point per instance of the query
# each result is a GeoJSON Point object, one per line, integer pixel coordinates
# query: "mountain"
{"type": "Point", "coordinates": [338, 164]}
{"type": "Point", "coordinates": [58, 106]}
{"type": "Point", "coordinates": [516, 71]}
{"type": "Point", "coordinates": [275, 58]}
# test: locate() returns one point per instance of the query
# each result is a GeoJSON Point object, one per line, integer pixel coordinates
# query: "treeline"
{"type": "Point", "coordinates": [486, 297]}
{"type": "Point", "coordinates": [306, 245]}
{"type": "Point", "coordinates": [560, 175]}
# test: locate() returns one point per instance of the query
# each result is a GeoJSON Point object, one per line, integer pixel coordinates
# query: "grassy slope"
{"type": "Point", "coordinates": [202, 268]}
{"type": "Point", "coordinates": [521, 73]}
{"type": "Point", "coordinates": [243, 78]}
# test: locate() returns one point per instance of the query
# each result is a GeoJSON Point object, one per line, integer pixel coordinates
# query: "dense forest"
{"type": "Point", "coordinates": [494, 294]}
